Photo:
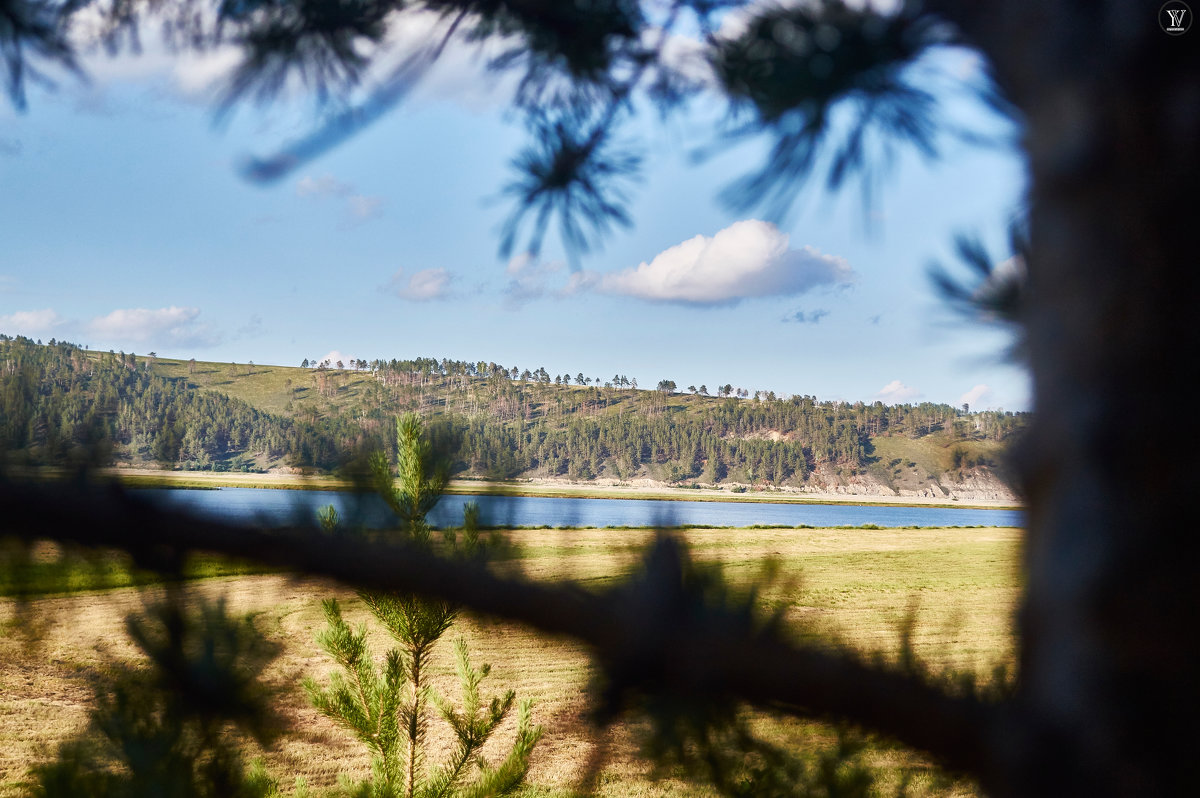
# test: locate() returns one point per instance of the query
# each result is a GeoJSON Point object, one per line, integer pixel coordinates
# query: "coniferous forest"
{"type": "Point", "coordinates": [58, 401]}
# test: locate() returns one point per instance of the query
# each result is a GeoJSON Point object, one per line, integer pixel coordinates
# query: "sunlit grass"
{"type": "Point", "coordinates": [858, 584]}
{"type": "Point", "coordinates": [49, 569]}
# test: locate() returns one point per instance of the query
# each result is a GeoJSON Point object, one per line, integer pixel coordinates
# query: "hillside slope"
{"type": "Point", "coordinates": [503, 424]}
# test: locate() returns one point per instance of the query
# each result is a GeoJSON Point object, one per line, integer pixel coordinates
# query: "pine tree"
{"type": "Point", "coordinates": [387, 706]}
{"type": "Point", "coordinates": [422, 474]}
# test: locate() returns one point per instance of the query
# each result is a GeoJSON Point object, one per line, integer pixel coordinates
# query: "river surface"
{"type": "Point", "coordinates": [275, 507]}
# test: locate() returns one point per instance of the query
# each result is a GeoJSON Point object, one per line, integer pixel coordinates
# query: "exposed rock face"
{"type": "Point", "coordinates": [980, 483]}
{"type": "Point", "coordinates": [975, 484]}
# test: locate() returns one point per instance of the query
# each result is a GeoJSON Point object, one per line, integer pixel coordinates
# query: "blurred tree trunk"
{"type": "Point", "coordinates": [1108, 695]}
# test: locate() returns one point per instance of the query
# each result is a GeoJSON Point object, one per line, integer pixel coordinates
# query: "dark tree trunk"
{"type": "Point", "coordinates": [1108, 699]}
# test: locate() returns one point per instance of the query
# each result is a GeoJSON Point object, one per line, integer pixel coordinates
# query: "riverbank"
{"type": "Point", "coordinates": [149, 478]}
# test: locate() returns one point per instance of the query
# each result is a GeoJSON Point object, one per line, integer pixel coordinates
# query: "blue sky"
{"type": "Point", "coordinates": [127, 226]}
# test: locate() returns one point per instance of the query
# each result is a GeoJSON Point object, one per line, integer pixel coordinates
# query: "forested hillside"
{"type": "Point", "coordinates": [507, 422]}
{"type": "Point", "coordinates": [58, 402]}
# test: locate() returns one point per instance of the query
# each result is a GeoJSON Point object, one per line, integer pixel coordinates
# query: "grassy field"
{"type": "Point", "coordinates": [276, 389]}
{"type": "Point", "coordinates": [859, 583]}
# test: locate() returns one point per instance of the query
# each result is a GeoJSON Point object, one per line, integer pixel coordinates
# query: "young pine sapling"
{"type": "Point", "coordinates": [386, 705]}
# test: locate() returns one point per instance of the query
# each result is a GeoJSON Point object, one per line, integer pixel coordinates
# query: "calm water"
{"type": "Point", "coordinates": [273, 506]}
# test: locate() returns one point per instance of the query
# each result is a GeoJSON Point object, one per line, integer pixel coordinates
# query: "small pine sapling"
{"type": "Point", "coordinates": [386, 705]}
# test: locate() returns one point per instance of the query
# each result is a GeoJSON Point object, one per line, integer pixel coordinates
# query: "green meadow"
{"type": "Point", "coordinates": [856, 585]}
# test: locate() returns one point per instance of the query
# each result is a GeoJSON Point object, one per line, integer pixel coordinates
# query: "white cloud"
{"type": "Point", "coordinates": [422, 286]}
{"type": "Point", "coordinates": [459, 74]}
{"type": "Point", "coordinates": [978, 395]}
{"type": "Point", "coordinates": [193, 75]}
{"type": "Point", "coordinates": [685, 55]}
{"type": "Point", "coordinates": [896, 392]}
{"type": "Point", "coordinates": [161, 327]}
{"type": "Point", "coordinates": [1009, 270]}
{"type": "Point", "coordinates": [31, 323]}
{"type": "Point", "coordinates": [199, 73]}
{"type": "Point", "coordinates": [748, 259]}
{"type": "Point", "coordinates": [519, 263]}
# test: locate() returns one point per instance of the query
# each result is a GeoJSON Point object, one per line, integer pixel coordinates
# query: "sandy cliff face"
{"type": "Point", "coordinates": [973, 484]}
{"type": "Point", "coordinates": [978, 483]}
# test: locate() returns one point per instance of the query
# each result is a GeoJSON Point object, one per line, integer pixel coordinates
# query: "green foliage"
{"type": "Point", "coordinates": [797, 66]}
{"type": "Point", "coordinates": [164, 729]}
{"type": "Point", "coordinates": [962, 458]}
{"type": "Point", "coordinates": [477, 418]}
{"type": "Point", "coordinates": [364, 700]}
{"type": "Point", "coordinates": [576, 176]}
{"type": "Point", "coordinates": [386, 706]}
{"type": "Point", "coordinates": [62, 405]}
{"type": "Point", "coordinates": [740, 765]}
{"type": "Point", "coordinates": [27, 571]}
{"type": "Point", "coordinates": [328, 518]}
{"type": "Point", "coordinates": [422, 473]}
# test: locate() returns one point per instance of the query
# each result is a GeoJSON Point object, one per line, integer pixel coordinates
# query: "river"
{"type": "Point", "coordinates": [274, 506]}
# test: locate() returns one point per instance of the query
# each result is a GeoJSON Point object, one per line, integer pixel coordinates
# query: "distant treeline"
{"type": "Point", "coordinates": [516, 421]}
{"type": "Point", "coordinates": [59, 401]}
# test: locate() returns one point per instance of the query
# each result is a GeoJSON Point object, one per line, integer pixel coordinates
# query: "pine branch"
{"type": "Point", "coordinates": [31, 28]}
{"type": "Point", "coordinates": [512, 770]}
{"type": "Point", "coordinates": [471, 728]}
{"type": "Point", "coordinates": [353, 704]}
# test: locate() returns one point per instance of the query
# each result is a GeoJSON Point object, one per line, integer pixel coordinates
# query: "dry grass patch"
{"type": "Point", "coordinates": [858, 582]}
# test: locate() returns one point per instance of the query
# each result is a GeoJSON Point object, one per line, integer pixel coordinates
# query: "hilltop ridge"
{"type": "Point", "coordinates": [506, 424]}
